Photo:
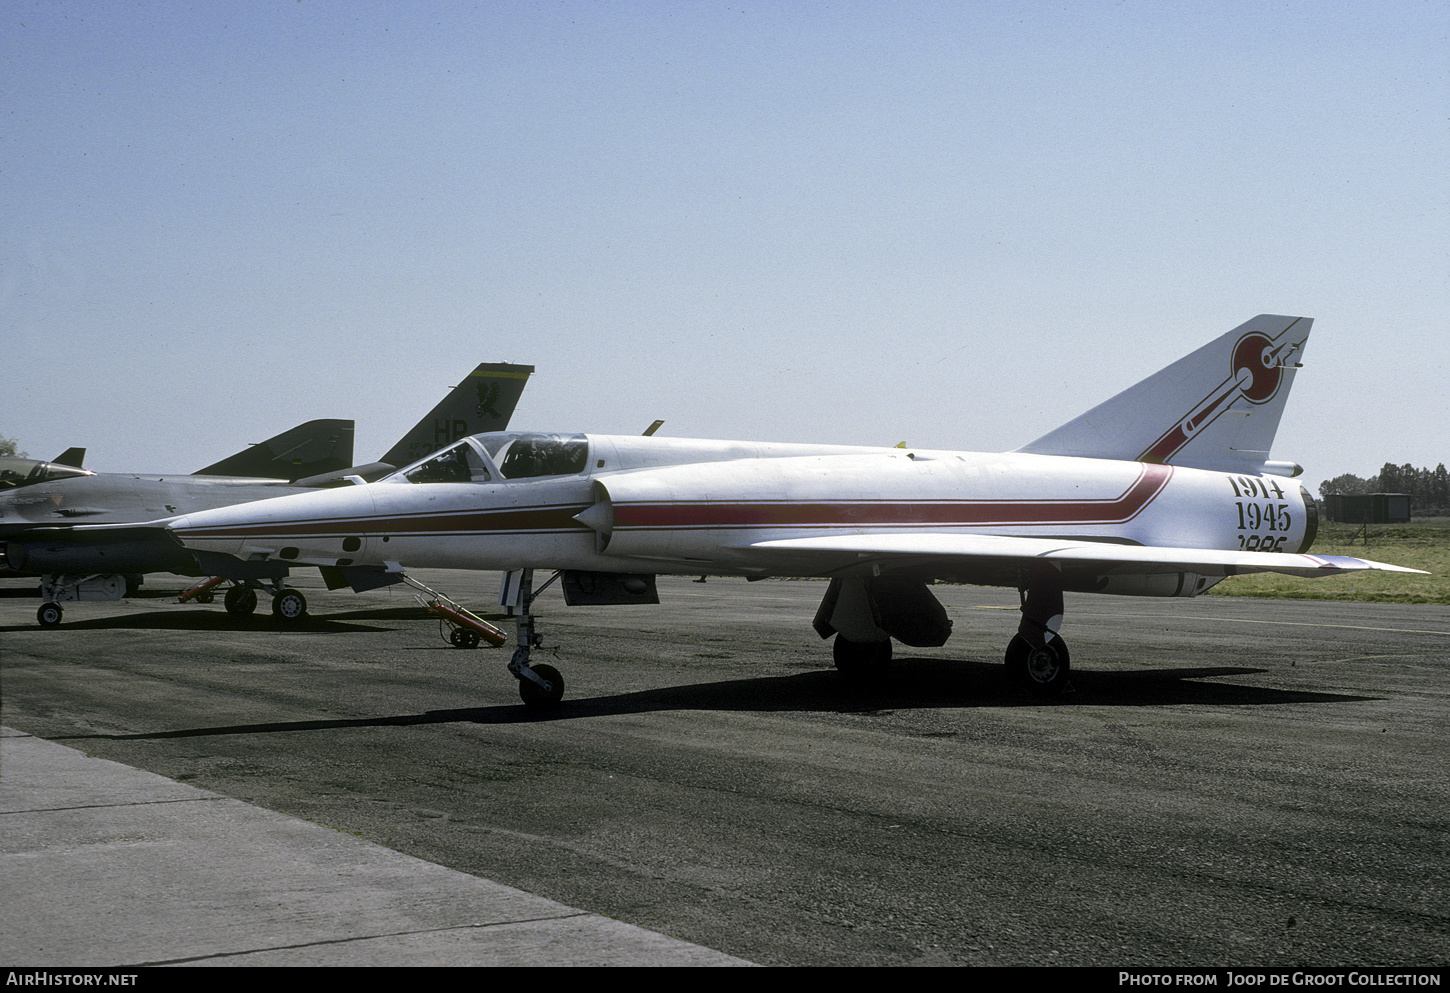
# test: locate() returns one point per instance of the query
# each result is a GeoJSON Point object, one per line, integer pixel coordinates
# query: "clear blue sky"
{"type": "Point", "coordinates": [956, 224]}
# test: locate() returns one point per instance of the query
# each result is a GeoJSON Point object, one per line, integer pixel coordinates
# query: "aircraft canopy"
{"type": "Point", "coordinates": [527, 454]}
{"type": "Point", "coordinates": [16, 472]}
{"type": "Point", "coordinates": [506, 454]}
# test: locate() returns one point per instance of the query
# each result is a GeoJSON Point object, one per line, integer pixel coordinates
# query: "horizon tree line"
{"type": "Point", "coordinates": [1429, 489]}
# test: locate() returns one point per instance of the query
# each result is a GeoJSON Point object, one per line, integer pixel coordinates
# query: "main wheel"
{"type": "Point", "coordinates": [240, 600]}
{"type": "Point", "coordinates": [1041, 671]}
{"type": "Point", "coordinates": [49, 614]}
{"type": "Point", "coordinates": [535, 695]}
{"type": "Point", "coordinates": [858, 658]}
{"type": "Point", "coordinates": [289, 605]}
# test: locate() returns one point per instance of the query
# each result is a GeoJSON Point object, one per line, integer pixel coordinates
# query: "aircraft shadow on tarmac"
{"type": "Point", "coordinates": [207, 619]}
{"type": "Point", "coordinates": [212, 619]}
{"type": "Point", "coordinates": [911, 684]}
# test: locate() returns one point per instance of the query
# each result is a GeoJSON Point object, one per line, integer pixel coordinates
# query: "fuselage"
{"type": "Point", "coordinates": [29, 513]}
{"type": "Point", "coordinates": [633, 504]}
{"type": "Point", "coordinates": [119, 498]}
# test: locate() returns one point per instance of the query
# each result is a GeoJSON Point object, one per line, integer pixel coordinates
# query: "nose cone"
{"type": "Point", "coordinates": [307, 527]}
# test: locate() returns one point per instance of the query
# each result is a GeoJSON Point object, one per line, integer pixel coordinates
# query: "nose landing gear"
{"type": "Point", "coordinates": [540, 686]}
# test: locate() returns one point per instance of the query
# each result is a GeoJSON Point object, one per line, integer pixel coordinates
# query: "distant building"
{"type": "Point", "coordinates": [1369, 508]}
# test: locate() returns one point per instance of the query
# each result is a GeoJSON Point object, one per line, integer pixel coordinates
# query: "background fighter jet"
{"type": "Point", "coordinates": [1161, 491]}
{"type": "Point", "coordinates": [61, 492]}
{"type": "Point", "coordinates": [40, 502]}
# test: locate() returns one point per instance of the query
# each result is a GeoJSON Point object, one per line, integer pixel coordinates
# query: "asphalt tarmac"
{"type": "Point", "coordinates": [1232, 782]}
{"type": "Point", "coordinates": [106, 866]}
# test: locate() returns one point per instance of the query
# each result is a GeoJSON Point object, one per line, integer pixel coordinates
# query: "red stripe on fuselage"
{"type": "Point", "coordinates": [536, 520]}
{"type": "Point", "coordinates": [704, 515]}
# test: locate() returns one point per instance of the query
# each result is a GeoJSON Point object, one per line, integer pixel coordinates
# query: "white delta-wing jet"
{"type": "Point", "coordinates": [1163, 490]}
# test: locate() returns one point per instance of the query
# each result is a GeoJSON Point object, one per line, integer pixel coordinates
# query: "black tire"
{"type": "Point", "coordinates": [1040, 671]}
{"type": "Point", "coordinates": [535, 695]}
{"type": "Point", "coordinates": [289, 605]}
{"type": "Point", "coordinates": [206, 597]}
{"type": "Point", "coordinates": [240, 601]}
{"type": "Point", "coordinates": [860, 658]}
{"type": "Point", "coordinates": [49, 615]}
{"type": "Point", "coordinates": [464, 638]}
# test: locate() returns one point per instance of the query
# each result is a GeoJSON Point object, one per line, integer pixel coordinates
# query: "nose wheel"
{"type": "Point", "coordinates": [541, 686]}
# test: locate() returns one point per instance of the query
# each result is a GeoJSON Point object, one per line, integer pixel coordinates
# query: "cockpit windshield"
{"type": "Point", "coordinates": [15, 473]}
{"type": "Point", "coordinates": [459, 464]}
{"type": "Point", "coordinates": [527, 455]}
{"type": "Point", "coordinates": [514, 455]}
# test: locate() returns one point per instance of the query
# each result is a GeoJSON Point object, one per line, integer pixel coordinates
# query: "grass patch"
{"type": "Point", "coordinates": [1417, 545]}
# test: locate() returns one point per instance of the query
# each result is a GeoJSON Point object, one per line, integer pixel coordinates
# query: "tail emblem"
{"type": "Point", "coordinates": [487, 397]}
{"type": "Point", "coordinates": [1256, 372]}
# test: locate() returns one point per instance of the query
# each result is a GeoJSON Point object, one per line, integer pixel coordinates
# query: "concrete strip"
{"type": "Point", "coordinates": [102, 864]}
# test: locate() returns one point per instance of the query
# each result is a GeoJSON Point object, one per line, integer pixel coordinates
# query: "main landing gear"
{"type": "Point", "coordinates": [876, 610]}
{"type": "Point", "coordinates": [240, 601]}
{"type": "Point", "coordinates": [56, 588]}
{"type": "Point", "coordinates": [288, 605]}
{"type": "Point", "coordinates": [1042, 671]}
{"type": "Point", "coordinates": [860, 658]}
{"type": "Point", "coordinates": [1037, 657]}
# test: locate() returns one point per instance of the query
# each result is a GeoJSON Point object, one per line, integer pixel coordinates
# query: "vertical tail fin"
{"type": "Point", "coordinates": [320, 446]}
{"type": "Point", "coordinates": [484, 401]}
{"type": "Point", "coordinates": [1216, 408]}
